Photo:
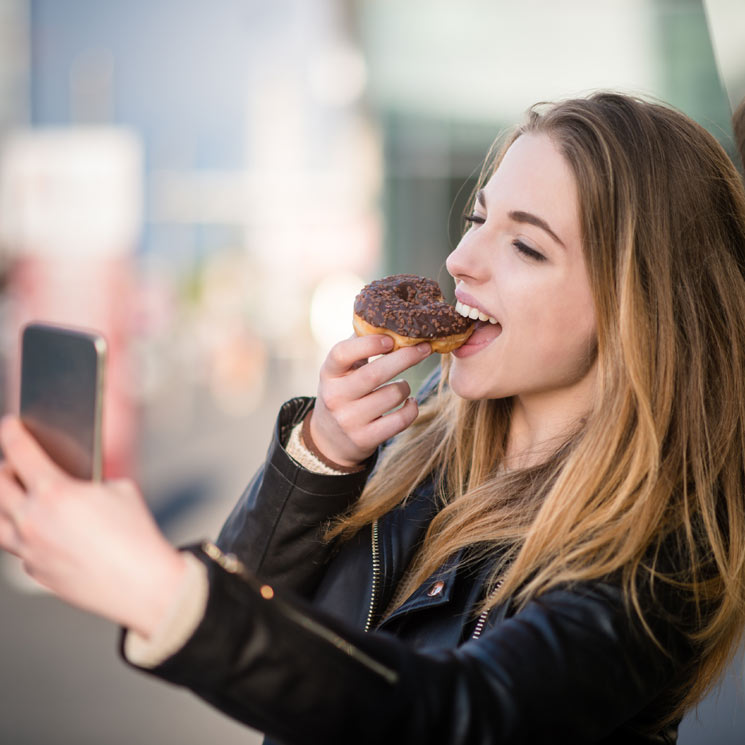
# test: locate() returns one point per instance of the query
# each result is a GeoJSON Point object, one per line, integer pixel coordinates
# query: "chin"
{"type": "Point", "coordinates": [479, 383]}
{"type": "Point", "coordinates": [466, 388]}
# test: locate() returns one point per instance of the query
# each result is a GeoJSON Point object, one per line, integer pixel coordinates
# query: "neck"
{"type": "Point", "coordinates": [540, 422]}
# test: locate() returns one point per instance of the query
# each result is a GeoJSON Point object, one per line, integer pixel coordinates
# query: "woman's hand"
{"type": "Point", "coordinates": [95, 545]}
{"type": "Point", "coordinates": [350, 420]}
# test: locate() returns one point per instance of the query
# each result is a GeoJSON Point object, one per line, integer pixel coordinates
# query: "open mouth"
{"type": "Point", "coordinates": [486, 331]}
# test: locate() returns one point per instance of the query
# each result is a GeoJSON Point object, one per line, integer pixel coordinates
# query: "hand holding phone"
{"type": "Point", "coordinates": [96, 545]}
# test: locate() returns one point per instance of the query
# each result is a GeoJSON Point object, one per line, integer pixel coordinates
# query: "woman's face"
{"type": "Point", "coordinates": [521, 265]}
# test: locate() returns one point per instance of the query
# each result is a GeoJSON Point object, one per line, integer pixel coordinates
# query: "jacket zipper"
{"type": "Point", "coordinates": [375, 576]}
{"type": "Point", "coordinates": [375, 549]}
{"type": "Point", "coordinates": [482, 618]}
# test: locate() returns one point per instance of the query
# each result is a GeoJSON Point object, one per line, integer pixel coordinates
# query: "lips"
{"type": "Point", "coordinates": [487, 328]}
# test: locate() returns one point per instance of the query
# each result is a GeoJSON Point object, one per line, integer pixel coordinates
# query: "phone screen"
{"type": "Point", "coordinates": [61, 395]}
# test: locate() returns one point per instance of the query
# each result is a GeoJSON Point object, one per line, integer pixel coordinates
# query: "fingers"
{"type": "Point", "coordinates": [347, 354]}
{"type": "Point", "coordinates": [391, 424]}
{"type": "Point", "coordinates": [376, 404]}
{"type": "Point", "coordinates": [350, 418]}
{"type": "Point", "coordinates": [357, 382]}
{"type": "Point", "coordinates": [354, 417]}
{"type": "Point", "coordinates": [384, 427]}
{"type": "Point", "coordinates": [385, 368]}
{"type": "Point", "coordinates": [12, 507]}
{"type": "Point", "coordinates": [352, 433]}
{"type": "Point", "coordinates": [28, 461]}
{"type": "Point", "coordinates": [12, 497]}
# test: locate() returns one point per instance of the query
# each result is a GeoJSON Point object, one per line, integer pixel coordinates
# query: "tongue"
{"type": "Point", "coordinates": [485, 332]}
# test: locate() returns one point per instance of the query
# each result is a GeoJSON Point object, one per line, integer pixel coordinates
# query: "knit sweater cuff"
{"type": "Point", "coordinates": [300, 447]}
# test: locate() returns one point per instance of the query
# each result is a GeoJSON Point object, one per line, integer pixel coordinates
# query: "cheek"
{"type": "Point", "coordinates": [563, 325]}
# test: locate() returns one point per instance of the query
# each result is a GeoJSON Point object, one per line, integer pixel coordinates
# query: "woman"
{"type": "Point", "coordinates": [552, 546]}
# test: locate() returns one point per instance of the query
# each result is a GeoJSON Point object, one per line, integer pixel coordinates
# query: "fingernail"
{"type": "Point", "coordinates": [424, 347]}
{"type": "Point", "coordinates": [386, 342]}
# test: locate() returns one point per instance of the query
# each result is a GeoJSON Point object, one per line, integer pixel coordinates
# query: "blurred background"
{"type": "Point", "coordinates": [210, 184]}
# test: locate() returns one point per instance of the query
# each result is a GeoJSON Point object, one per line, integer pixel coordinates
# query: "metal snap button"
{"type": "Point", "coordinates": [436, 589]}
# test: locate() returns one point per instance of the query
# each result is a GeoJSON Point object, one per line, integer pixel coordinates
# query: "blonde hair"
{"type": "Point", "coordinates": [650, 487]}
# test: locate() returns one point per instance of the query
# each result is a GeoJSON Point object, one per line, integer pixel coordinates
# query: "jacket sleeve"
{"type": "Point", "coordinates": [570, 667]}
{"type": "Point", "coordinates": [276, 527]}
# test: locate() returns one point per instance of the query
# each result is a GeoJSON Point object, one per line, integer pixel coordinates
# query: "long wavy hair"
{"type": "Point", "coordinates": [657, 468]}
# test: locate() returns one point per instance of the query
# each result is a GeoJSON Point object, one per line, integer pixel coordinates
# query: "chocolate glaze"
{"type": "Point", "coordinates": [411, 306]}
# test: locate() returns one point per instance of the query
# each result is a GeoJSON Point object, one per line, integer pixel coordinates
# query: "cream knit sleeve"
{"type": "Point", "coordinates": [297, 450]}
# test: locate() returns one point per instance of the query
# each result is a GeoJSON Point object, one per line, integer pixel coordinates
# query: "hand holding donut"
{"type": "Point", "coordinates": [350, 420]}
{"type": "Point", "coordinates": [404, 313]}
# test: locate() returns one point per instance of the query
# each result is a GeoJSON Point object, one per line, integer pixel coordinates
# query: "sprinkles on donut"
{"type": "Point", "coordinates": [411, 310]}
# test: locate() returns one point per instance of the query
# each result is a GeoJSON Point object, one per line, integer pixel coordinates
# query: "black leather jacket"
{"type": "Point", "coordinates": [297, 663]}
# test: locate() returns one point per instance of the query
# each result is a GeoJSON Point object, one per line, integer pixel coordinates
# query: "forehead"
{"type": "Point", "coordinates": [534, 176]}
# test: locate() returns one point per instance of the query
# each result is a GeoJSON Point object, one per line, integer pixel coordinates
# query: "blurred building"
{"type": "Point", "coordinates": [446, 78]}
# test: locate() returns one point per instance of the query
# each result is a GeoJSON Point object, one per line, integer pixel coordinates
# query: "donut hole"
{"type": "Point", "coordinates": [406, 292]}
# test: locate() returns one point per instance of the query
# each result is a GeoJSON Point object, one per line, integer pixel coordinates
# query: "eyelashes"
{"type": "Point", "coordinates": [522, 248]}
{"type": "Point", "coordinates": [528, 251]}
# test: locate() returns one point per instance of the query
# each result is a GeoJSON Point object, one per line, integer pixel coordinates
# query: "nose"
{"type": "Point", "coordinates": [466, 260]}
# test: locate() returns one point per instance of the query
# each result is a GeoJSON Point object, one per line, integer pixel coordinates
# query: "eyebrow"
{"type": "Point", "coordinates": [528, 217]}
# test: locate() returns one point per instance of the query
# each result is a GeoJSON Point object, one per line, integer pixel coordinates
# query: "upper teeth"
{"type": "Point", "coordinates": [475, 313]}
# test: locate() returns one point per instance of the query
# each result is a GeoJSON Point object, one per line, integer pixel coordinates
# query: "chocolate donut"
{"type": "Point", "coordinates": [411, 309]}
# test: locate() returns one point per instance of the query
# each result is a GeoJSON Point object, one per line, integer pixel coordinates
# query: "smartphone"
{"type": "Point", "coordinates": [61, 402]}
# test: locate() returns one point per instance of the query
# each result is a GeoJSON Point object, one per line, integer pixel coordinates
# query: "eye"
{"type": "Point", "coordinates": [527, 251]}
{"type": "Point", "coordinates": [474, 219]}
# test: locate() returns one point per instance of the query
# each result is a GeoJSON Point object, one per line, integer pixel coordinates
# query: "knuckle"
{"type": "Point", "coordinates": [392, 395]}
{"type": "Point", "coordinates": [336, 354]}
{"type": "Point", "coordinates": [359, 440]}
{"type": "Point", "coordinates": [26, 529]}
{"type": "Point", "coordinates": [399, 390]}
{"type": "Point", "coordinates": [47, 486]}
{"type": "Point", "coordinates": [325, 393]}
{"type": "Point", "coordinates": [333, 401]}
{"type": "Point", "coordinates": [125, 488]}
{"type": "Point", "coordinates": [30, 568]}
{"type": "Point", "coordinates": [323, 389]}
{"type": "Point", "coordinates": [369, 376]}
{"type": "Point", "coordinates": [324, 376]}
{"type": "Point", "coordinates": [403, 417]}
{"type": "Point", "coordinates": [345, 421]}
